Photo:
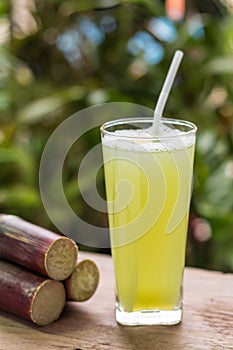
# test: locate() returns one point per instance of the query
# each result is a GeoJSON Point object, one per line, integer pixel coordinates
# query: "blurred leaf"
{"type": "Point", "coordinates": [154, 6]}
{"type": "Point", "coordinates": [4, 6]}
{"type": "Point", "coordinates": [211, 147]}
{"type": "Point", "coordinates": [22, 159]}
{"type": "Point", "coordinates": [4, 100]}
{"type": "Point", "coordinates": [36, 111]}
{"type": "Point", "coordinates": [220, 65]}
{"type": "Point", "coordinates": [84, 5]}
{"type": "Point", "coordinates": [17, 196]}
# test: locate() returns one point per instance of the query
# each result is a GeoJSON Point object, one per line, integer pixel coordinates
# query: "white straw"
{"type": "Point", "coordinates": [158, 112]}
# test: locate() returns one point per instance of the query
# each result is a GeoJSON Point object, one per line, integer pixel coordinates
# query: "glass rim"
{"type": "Point", "coordinates": [165, 121]}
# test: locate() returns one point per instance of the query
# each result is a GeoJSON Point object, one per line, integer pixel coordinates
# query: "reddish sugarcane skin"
{"type": "Point", "coordinates": [24, 243]}
{"type": "Point", "coordinates": [17, 288]}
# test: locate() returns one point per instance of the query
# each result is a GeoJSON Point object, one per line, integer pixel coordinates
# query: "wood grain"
{"type": "Point", "coordinates": [207, 322]}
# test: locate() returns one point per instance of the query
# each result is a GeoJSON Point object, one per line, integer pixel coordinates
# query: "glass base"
{"type": "Point", "coordinates": [148, 317]}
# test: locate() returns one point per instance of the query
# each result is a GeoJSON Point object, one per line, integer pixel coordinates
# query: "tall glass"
{"type": "Point", "coordinates": [148, 182]}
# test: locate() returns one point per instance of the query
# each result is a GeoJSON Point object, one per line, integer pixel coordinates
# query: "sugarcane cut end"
{"type": "Point", "coordinates": [61, 258]}
{"type": "Point", "coordinates": [48, 302]}
{"type": "Point", "coordinates": [84, 280]}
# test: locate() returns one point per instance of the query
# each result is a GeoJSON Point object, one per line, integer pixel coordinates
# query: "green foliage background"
{"type": "Point", "coordinates": [41, 85]}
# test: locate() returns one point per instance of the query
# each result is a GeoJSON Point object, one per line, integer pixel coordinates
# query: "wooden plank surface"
{"type": "Point", "coordinates": [207, 322]}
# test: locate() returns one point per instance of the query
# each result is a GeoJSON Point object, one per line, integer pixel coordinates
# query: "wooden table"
{"type": "Point", "coordinates": [207, 322]}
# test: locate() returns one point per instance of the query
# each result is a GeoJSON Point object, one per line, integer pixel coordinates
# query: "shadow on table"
{"type": "Point", "coordinates": [152, 337]}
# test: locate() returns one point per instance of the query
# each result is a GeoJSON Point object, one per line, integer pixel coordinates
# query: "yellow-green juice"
{"type": "Point", "coordinates": [148, 187]}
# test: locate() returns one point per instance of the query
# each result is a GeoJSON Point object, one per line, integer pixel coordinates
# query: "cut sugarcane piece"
{"type": "Point", "coordinates": [28, 295]}
{"type": "Point", "coordinates": [36, 248]}
{"type": "Point", "coordinates": [83, 282]}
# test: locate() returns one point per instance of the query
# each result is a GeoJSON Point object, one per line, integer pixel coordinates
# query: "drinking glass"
{"type": "Point", "coordinates": [148, 181]}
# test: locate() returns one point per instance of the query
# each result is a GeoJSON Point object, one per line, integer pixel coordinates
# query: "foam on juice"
{"type": "Point", "coordinates": [143, 140]}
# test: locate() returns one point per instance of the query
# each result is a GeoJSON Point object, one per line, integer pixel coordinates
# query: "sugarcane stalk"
{"type": "Point", "coordinates": [30, 296]}
{"type": "Point", "coordinates": [36, 248]}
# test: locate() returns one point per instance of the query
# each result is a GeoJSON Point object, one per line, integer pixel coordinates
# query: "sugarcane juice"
{"type": "Point", "coordinates": [148, 189]}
